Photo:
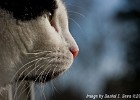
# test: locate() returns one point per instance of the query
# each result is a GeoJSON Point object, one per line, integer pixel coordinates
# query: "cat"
{"type": "Point", "coordinates": [35, 42]}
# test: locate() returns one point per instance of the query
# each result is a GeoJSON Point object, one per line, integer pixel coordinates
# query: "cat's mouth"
{"type": "Point", "coordinates": [41, 78]}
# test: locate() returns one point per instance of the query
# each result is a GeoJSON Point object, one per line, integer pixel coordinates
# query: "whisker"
{"type": "Point", "coordinates": [43, 70]}
{"type": "Point", "coordinates": [36, 80]}
{"type": "Point", "coordinates": [38, 60]}
{"type": "Point", "coordinates": [26, 75]}
{"type": "Point", "coordinates": [38, 77]}
{"type": "Point", "coordinates": [41, 66]}
{"type": "Point", "coordinates": [76, 23]}
{"type": "Point", "coordinates": [36, 53]}
{"type": "Point", "coordinates": [52, 77]}
{"type": "Point", "coordinates": [28, 94]}
{"type": "Point", "coordinates": [53, 72]}
{"type": "Point", "coordinates": [23, 90]}
{"type": "Point", "coordinates": [23, 67]}
{"type": "Point", "coordinates": [39, 56]}
{"type": "Point", "coordinates": [77, 14]}
{"type": "Point", "coordinates": [45, 76]}
{"type": "Point", "coordinates": [17, 87]}
{"type": "Point", "coordinates": [43, 91]}
{"type": "Point", "coordinates": [17, 96]}
{"type": "Point", "coordinates": [73, 5]}
{"type": "Point", "coordinates": [22, 80]}
{"type": "Point", "coordinates": [55, 88]}
{"type": "Point", "coordinates": [25, 70]}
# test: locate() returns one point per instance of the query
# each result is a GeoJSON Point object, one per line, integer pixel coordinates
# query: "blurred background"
{"type": "Point", "coordinates": [108, 35]}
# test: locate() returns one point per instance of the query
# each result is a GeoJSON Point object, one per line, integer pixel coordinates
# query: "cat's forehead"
{"type": "Point", "coordinates": [28, 9]}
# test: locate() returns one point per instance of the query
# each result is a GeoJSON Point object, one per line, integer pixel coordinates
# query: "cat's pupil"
{"type": "Point", "coordinates": [50, 16]}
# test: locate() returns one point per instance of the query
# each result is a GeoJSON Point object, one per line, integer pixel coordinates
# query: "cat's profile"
{"type": "Point", "coordinates": [35, 42]}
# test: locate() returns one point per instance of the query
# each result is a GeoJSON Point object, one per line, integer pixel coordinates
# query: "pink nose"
{"type": "Point", "coordinates": [74, 51]}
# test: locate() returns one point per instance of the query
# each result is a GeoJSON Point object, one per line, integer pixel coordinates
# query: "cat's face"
{"type": "Point", "coordinates": [35, 42]}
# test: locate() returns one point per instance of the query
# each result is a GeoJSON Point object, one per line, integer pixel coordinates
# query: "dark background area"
{"type": "Point", "coordinates": [108, 35]}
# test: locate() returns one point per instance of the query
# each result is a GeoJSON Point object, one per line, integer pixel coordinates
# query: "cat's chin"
{"type": "Point", "coordinates": [42, 78]}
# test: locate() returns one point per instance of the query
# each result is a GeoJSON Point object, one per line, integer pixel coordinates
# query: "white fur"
{"type": "Point", "coordinates": [21, 42]}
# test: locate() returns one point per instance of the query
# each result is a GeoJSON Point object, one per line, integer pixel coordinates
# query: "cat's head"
{"type": "Point", "coordinates": [35, 42]}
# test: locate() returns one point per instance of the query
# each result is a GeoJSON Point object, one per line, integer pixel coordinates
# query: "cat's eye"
{"type": "Point", "coordinates": [50, 16]}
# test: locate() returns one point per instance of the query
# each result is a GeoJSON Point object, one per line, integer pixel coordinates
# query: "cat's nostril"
{"type": "Point", "coordinates": [74, 51]}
